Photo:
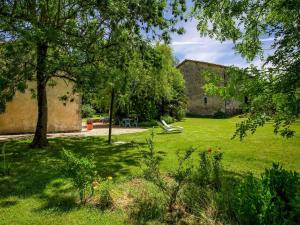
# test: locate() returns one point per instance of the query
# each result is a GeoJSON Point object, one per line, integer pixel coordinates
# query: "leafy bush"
{"type": "Point", "coordinates": [180, 114]}
{"type": "Point", "coordinates": [195, 198]}
{"type": "Point", "coordinates": [168, 119]}
{"type": "Point", "coordinates": [105, 200]}
{"type": "Point", "coordinates": [5, 166]}
{"type": "Point", "coordinates": [273, 199]}
{"type": "Point", "coordinates": [87, 111]}
{"type": "Point", "coordinates": [81, 171]}
{"type": "Point", "coordinates": [150, 123]}
{"type": "Point", "coordinates": [146, 109]}
{"type": "Point", "coordinates": [284, 188]}
{"type": "Point", "coordinates": [250, 201]}
{"type": "Point", "coordinates": [219, 115]}
{"type": "Point", "coordinates": [205, 182]}
{"type": "Point", "coordinates": [146, 207]}
{"type": "Point", "coordinates": [177, 179]}
{"type": "Point", "coordinates": [209, 170]}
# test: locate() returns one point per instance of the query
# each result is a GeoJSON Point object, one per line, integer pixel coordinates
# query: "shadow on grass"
{"type": "Point", "coordinates": [164, 133]}
{"type": "Point", "coordinates": [7, 203]}
{"type": "Point", "coordinates": [35, 171]}
{"type": "Point", "coordinates": [59, 204]}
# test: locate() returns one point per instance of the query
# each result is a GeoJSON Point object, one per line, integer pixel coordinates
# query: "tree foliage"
{"type": "Point", "coordinates": [274, 90]}
{"type": "Point", "coordinates": [44, 39]}
{"type": "Point", "coordinates": [148, 85]}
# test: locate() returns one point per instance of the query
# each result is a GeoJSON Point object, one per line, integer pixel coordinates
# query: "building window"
{"type": "Point", "coordinates": [205, 100]}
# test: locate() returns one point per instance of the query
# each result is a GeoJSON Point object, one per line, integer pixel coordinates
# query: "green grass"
{"type": "Point", "coordinates": [37, 193]}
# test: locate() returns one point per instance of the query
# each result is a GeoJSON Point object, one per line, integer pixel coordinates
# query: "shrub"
{"type": "Point", "coordinates": [178, 177]}
{"type": "Point", "coordinates": [284, 188]}
{"type": "Point", "coordinates": [105, 200]}
{"type": "Point", "coordinates": [219, 115]}
{"type": "Point", "coordinates": [180, 114]}
{"type": "Point", "coordinates": [205, 182]}
{"type": "Point", "coordinates": [168, 119]}
{"type": "Point", "coordinates": [249, 201]}
{"type": "Point", "coordinates": [147, 207]}
{"type": "Point", "coordinates": [150, 123]}
{"type": "Point", "coordinates": [87, 111]}
{"type": "Point", "coordinates": [5, 166]}
{"type": "Point", "coordinates": [273, 199]}
{"type": "Point", "coordinates": [81, 171]}
{"type": "Point", "coordinates": [208, 174]}
{"type": "Point", "coordinates": [195, 198]}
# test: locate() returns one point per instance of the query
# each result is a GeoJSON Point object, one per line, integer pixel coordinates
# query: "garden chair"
{"type": "Point", "coordinates": [169, 128]}
{"type": "Point", "coordinates": [135, 122]}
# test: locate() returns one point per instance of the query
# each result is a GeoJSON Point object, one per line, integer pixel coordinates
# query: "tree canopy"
{"type": "Point", "coordinates": [149, 86]}
{"type": "Point", "coordinates": [274, 89]}
{"type": "Point", "coordinates": [67, 38]}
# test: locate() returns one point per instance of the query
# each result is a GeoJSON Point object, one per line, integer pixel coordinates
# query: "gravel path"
{"type": "Point", "coordinates": [98, 131]}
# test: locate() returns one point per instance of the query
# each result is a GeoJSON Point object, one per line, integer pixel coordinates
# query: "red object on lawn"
{"type": "Point", "coordinates": [89, 126]}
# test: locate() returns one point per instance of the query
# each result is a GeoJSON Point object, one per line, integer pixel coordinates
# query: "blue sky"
{"type": "Point", "coordinates": [191, 46]}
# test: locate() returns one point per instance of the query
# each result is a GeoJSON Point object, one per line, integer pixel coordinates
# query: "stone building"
{"type": "Point", "coordinates": [199, 103]}
{"type": "Point", "coordinates": [20, 115]}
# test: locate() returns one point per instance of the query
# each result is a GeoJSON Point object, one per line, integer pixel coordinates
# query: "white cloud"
{"type": "Point", "coordinates": [267, 39]}
{"type": "Point", "coordinates": [174, 43]}
{"type": "Point", "coordinates": [192, 46]}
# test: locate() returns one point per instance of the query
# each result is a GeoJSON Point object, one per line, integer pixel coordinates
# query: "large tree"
{"type": "Point", "coordinates": [145, 83]}
{"type": "Point", "coordinates": [273, 91]}
{"type": "Point", "coordinates": [65, 38]}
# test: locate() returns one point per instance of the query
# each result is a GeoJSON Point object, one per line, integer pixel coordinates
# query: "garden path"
{"type": "Point", "coordinates": [99, 130]}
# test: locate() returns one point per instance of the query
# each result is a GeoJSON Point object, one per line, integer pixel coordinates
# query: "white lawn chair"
{"type": "Point", "coordinates": [169, 128]}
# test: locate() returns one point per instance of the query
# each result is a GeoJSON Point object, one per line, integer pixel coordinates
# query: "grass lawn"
{"type": "Point", "coordinates": [37, 193]}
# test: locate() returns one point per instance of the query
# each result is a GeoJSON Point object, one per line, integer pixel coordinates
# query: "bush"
{"type": "Point", "coordinates": [147, 207]}
{"type": "Point", "coordinates": [250, 201]}
{"type": "Point", "coordinates": [205, 182]}
{"type": "Point", "coordinates": [273, 199]}
{"type": "Point", "coordinates": [87, 111]}
{"type": "Point", "coordinates": [81, 171]}
{"type": "Point", "coordinates": [284, 199]}
{"type": "Point", "coordinates": [169, 187]}
{"type": "Point", "coordinates": [105, 200]}
{"type": "Point", "coordinates": [150, 123]}
{"type": "Point", "coordinates": [219, 115]}
{"type": "Point", "coordinates": [208, 174]}
{"type": "Point", "coordinates": [168, 119]}
{"type": "Point", "coordinates": [180, 114]}
{"type": "Point", "coordinates": [195, 198]}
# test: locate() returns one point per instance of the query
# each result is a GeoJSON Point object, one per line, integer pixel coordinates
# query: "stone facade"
{"type": "Point", "coordinates": [21, 113]}
{"type": "Point", "coordinates": [199, 103]}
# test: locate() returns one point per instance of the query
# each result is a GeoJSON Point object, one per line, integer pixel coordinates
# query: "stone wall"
{"type": "Point", "coordinates": [199, 103]}
{"type": "Point", "coordinates": [21, 113]}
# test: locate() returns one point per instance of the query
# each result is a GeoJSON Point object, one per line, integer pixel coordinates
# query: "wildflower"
{"type": "Point", "coordinates": [109, 178]}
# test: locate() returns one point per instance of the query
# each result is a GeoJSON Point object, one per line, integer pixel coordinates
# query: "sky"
{"type": "Point", "coordinates": [191, 46]}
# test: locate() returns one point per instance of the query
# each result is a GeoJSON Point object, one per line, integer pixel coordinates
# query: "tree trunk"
{"type": "Point", "coordinates": [40, 136]}
{"type": "Point", "coordinates": [111, 115]}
